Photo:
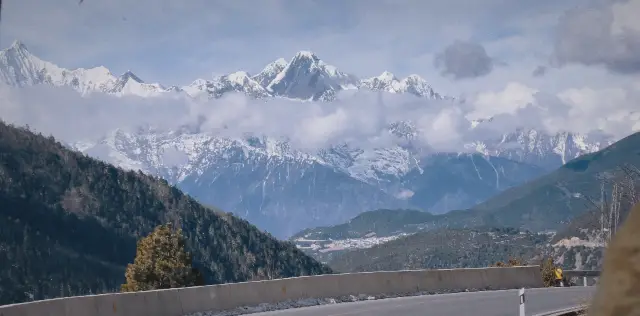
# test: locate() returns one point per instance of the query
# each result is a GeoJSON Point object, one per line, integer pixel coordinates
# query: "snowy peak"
{"type": "Point", "coordinates": [307, 77]}
{"type": "Point", "coordinates": [304, 77]}
{"type": "Point", "coordinates": [270, 72]}
{"type": "Point", "coordinates": [413, 84]}
{"type": "Point", "coordinates": [418, 86]}
{"type": "Point", "coordinates": [239, 77]}
{"type": "Point", "coordinates": [19, 68]}
{"type": "Point", "coordinates": [18, 46]}
{"type": "Point", "coordinates": [384, 82]}
{"type": "Point", "coordinates": [305, 55]}
{"type": "Point", "coordinates": [239, 81]}
{"type": "Point", "coordinates": [16, 50]}
{"type": "Point", "coordinates": [387, 77]}
{"type": "Point", "coordinates": [128, 75]}
{"type": "Point", "coordinates": [130, 84]}
{"type": "Point", "coordinates": [279, 63]}
{"type": "Point", "coordinates": [538, 148]}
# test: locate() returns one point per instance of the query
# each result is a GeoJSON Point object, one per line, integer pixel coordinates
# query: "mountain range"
{"type": "Point", "coordinates": [282, 189]}
{"type": "Point", "coordinates": [304, 77]}
{"type": "Point", "coordinates": [69, 225]}
{"type": "Point", "coordinates": [554, 209]}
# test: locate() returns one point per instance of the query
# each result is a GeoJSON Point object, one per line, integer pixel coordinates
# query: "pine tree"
{"type": "Point", "coordinates": [161, 262]}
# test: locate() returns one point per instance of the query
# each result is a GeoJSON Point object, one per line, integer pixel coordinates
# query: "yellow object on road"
{"type": "Point", "coordinates": [558, 273]}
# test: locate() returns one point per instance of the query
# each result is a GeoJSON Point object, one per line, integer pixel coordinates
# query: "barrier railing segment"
{"type": "Point", "coordinates": [183, 301]}
{"type": "Point", "coordinates": [584, 274]}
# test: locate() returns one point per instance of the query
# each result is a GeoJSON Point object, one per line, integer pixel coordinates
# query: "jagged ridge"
{"type": "Point", "coordinates": [305, 76]}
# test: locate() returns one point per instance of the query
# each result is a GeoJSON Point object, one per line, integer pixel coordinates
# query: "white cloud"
{"type": "Point", "coordinates": [600, 109]}
{"type": "Point", "coordinates": [606, 34]}
{"type": "Point", "coordinates": [514, 97]}
{"type": "Point", "coordinates": [612, 111]}
{"type": "Point", "coordinates": [360, 118]}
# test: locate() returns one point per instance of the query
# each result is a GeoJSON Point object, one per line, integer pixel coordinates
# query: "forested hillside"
{"type": "Point", "coordinates": [445, 249]}
{"type": "Point", "coordinates": [378, 223]}
{"type": "Point", "coordinates": [69, 225]}
{"type": "Point", "coordinates": [553, 200]}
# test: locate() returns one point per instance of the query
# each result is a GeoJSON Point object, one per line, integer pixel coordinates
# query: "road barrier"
{"type": "Point", "coordinates": [182, 301]}
{"type": "Point", "coordinates": [585, 274]}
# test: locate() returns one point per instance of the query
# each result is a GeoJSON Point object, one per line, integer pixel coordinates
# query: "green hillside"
{"type": "Point", "coordinates": [69, 225]}
{"type": "Point", "coordinates": [551, 201]}
{"type": "Point", "coordinates": [548, 202]}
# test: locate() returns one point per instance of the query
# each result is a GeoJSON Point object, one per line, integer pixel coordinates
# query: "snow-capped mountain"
{"type": "Point", "coordinates": [413, 84]}
{"type": "Point", "coordinates": [307, 77]}
{"type": "Point", "coordinates": [285, 190]}
{"type": "Point", "coordinates": [18, 67]}
{"type": "Point", "coordinates": [270, 71]}
{"type": "Point", "coordinates": [304, 77]}
{"type": "Point", "coordinates": [546, 151]}
{"type": "Point", "coordinates": [261, 179]}
{"type": "Point", "coordinates": [238, 82]}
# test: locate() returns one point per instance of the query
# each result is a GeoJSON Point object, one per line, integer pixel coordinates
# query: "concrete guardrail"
{"type": "Point", "coordinates": [182, 301]}
{"type": "Point", "coordinates": [584, 274]}
{"type": "Point", "coordinates": [581, 273]}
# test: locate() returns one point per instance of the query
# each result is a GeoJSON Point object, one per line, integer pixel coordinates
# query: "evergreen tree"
{"type": "Point", "coordinates": [161, 262]}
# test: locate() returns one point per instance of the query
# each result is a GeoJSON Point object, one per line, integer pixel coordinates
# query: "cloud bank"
{"type": "Point", "coordinates": [360, 118]}
{"type": "Point", "coordinates": [607, 34]}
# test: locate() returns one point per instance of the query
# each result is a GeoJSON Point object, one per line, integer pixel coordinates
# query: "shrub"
{"type": "Point", "coordinates": [510, 263]}
{"type": "Point", "coordinates": [547, 269]}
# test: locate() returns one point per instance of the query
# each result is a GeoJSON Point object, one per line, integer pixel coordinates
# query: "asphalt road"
{"type": "Point", "coordinates": [494, 303]}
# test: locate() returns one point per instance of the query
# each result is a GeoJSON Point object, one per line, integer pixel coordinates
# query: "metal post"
{"type": "Point", "coordinates": [521, 294]}
{"type": "Point", "coordinates": [584, 281]}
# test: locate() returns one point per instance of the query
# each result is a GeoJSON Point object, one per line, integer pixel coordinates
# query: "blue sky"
{"type": "Point", "coordinates": [587, 52]}
{"type": "Point", "coordinates": [175, 42]}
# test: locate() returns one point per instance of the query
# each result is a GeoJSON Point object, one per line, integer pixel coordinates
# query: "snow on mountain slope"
{"type": "Point", "coordinates": [309, 78]}
{"type": "Point", "coordinates": [270, 72]}
{"type": "Point", "coordinates": [413, 84]}
{"type": "Point", "coordinates": [546, 151]}
{"type": "Point", "coordinates": [18, 67]}
{"type": "Point", "coordinates": [304, 77]}
{"type": "Point", "coordinates": [238, 81]}
{"type": "Point", "coordinates": [284, 190]}
{"type": "Point", "coordinates": [261, 179]}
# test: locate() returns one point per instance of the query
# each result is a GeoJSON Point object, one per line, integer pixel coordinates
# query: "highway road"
{"type": "Point", "coordinates": [493, 303]}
